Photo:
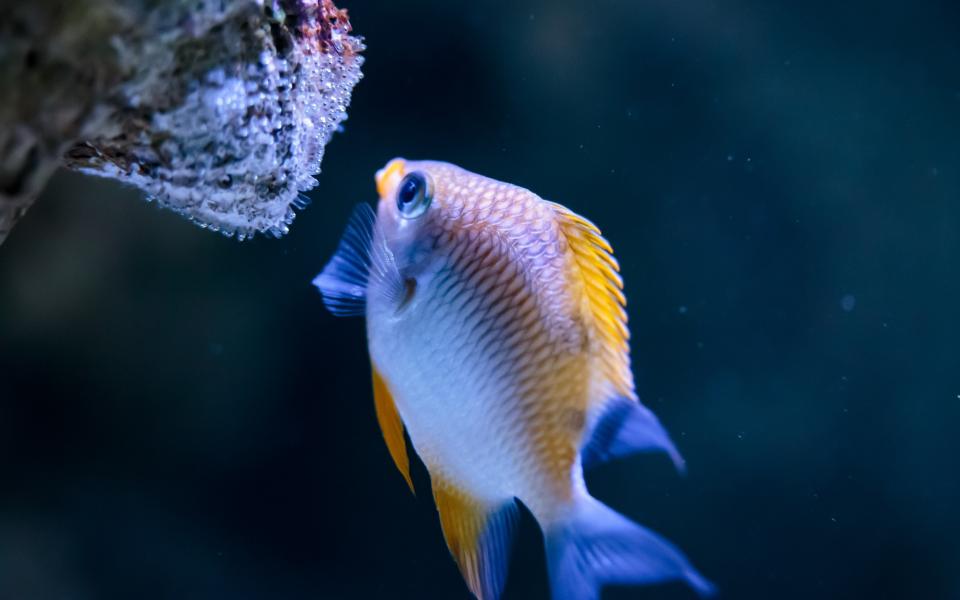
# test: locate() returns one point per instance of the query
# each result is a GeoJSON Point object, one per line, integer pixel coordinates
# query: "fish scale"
{"type": "Point", "coordinates": [440, 445]}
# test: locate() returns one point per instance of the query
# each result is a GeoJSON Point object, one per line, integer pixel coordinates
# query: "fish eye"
{"type": "Point", "coordinates": [414, 194]}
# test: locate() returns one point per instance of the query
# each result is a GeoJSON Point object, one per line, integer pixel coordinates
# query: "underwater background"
{"type": "Point", "coordinates": [181, 418]}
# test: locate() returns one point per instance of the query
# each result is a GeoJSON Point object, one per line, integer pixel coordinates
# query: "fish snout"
{"type": "Point", "coordinates": [389, 177]}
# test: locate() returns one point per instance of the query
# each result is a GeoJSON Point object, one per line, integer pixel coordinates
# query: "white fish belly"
{"type": "Point", "coordinates": [448, 399]}
{"type": "Point", "coordinates": [452, 374]}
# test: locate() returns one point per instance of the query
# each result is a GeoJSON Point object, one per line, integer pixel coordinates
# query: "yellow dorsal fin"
{"type": "Point", "coordinates": [603, 288]}
{"type": "Point", "coordinates": [479, 536]}
{"type": "Point", "coordinates": [391, 426]}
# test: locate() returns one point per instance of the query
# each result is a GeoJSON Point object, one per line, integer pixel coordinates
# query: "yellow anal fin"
{"type": "Point", "coordinates": [391, 426]}
{"type": "Point", "coordinates": [603, 288]}
{"type": "Point", "coordinates": [479, 536]}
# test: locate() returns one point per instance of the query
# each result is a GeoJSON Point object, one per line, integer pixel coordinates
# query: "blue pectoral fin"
{"type": "Point", "coordinates": [595, 546]}
{"type": "Point", "coordinates": [361, 259]}
{"type": "Point", "coordinates": [627, 427]}
{"type": "Point", "coordinates": [343, 281]}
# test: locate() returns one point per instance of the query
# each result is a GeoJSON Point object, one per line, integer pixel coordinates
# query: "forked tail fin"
{"type": "Point", "coordinates": [595, 546]}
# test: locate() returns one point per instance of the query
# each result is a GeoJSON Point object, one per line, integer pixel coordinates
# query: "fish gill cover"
{"type": "Point", "coordinates": [218, 110]}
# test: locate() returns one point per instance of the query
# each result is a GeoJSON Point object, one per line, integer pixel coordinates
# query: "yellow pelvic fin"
{"type": "Point", "coordinates": [391, 426]}
{"type": "Point", "coordinates": [479, 536]}
{"type": "Point", "coordinates": [603, 288]}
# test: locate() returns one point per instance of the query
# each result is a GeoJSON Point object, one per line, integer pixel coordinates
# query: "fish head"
{"type": "Point", "coordinates": [418, 209]}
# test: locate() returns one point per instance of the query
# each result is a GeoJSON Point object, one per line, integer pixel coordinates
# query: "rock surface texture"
{"type": "Point", "coordinates": [217, 109]}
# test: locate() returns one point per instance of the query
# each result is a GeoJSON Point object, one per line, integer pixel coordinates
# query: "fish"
{"type": "Point", "coordinates": [498, 340]}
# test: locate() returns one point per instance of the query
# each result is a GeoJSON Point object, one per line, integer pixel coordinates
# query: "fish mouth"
{"type": "Point", "coordinates": [389, 176]}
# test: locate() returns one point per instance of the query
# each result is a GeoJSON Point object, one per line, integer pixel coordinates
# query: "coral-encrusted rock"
{"type": "Point", "coordinates": [219, 110]}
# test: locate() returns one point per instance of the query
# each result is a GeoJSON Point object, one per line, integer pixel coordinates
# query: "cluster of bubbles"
{"type": "Point", "coordinates": [229, 128]}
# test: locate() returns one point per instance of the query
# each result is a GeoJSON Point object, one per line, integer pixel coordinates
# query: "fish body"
{"type": "Point", "coordinates": [498, 340]}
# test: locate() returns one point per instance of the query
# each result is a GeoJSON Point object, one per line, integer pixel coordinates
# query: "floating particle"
{"type": "Point", "coordinates": [848, 302]}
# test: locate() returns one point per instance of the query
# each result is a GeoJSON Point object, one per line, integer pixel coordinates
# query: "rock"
{"type": "Point", "coordinates": [219, 110]}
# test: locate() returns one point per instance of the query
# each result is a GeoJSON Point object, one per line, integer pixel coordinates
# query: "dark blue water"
{"type": "Point", "coordinates": [180, 418]}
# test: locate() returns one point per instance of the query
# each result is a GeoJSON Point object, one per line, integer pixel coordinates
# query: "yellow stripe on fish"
{"type": "Point", "coordinates": [498, 335]}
